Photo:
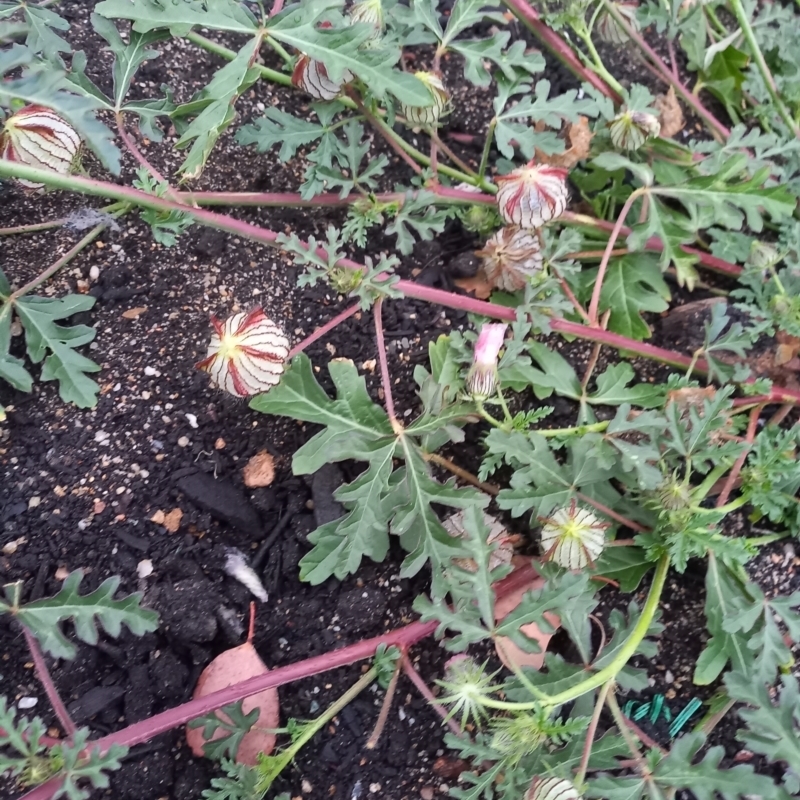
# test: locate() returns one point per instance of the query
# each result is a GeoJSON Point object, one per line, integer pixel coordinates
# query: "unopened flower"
{"type": "Point", "coordinates": [511, 257]}
{"type": "Point", "coordinates": [674, 494]}
{"type": "Point", "coordinates": [518, 734]}
{"type": "Point", "coordinates": [763, 255]}
{"type": "Point", "coordinates": [38, 137]}
{"type": "Point", "coordinates": [428, 115]}
{"type": "Point", "coordinates": [573, 537]}
{"type": "Point", "coordinates": [552, 789]}
{"type": "Point", "coordinates": [370, 12]}
{"type": "Point", "coordinates": [610, 31]}
{"type": "Point", "coordinates": [247, 353]}
{"type": "Point", "coordinates": [312, 77]}
{"type": "Point", "coordinates": [532, 195]}
{"type": "Point", "coordinates": [466, 684]}
{"type": "Point", "coordinates": [497, 535]}
{"type": "Point", "coordinates": [482, 376]}
{"type": "Point", "coordinates": [631, 129]}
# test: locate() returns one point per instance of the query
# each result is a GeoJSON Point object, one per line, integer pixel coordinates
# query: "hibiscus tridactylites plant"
{"type": "Point", "coordinates": [531, 466]}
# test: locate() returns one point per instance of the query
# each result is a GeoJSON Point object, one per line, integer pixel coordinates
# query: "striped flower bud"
{"type": "Point", "coordinates": [312, 77]}
{"type": "Point", "coordinates": [610, 31]}
{"type": "Point", "coordinates": [631, 129]}
{"type": "Point", "coordinates": [532, 195]}
{"type": "Point", "coordinates": [552, 789]}
{"type": "Point", "coordinates": [370, 12]}
{"type": "Point", "coordinates": [247, 353]}
{"type": "Point", "coordinates": [38, 137]}
{"type": "Point", "coordinates": [429, 115]}
{"type": "Point", "coordinates": [573, 537]}
{"type": "Point", "coordinates": [511, 258]}
{"type": "Point", "coordinates": [482, 376]}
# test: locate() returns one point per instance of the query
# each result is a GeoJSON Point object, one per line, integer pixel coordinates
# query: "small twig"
{"type": "Point", "coordinates": [591, 731]}
{"type": "Point", "coordinates": [424, 690]}
{"type": "Point", "coordinates": [385, 708]}
{"type": "Point", "coordinates": [385, 377]}
{"type": "Point", "coordinates": [781, 414]}
{"type": "Point", "coordinates": [38, 226]}
{"type": "Point", "coordinates": [47, 682]}
{"type": "Point", "coordinates": [451, 155]}
{"type": "Point", "coordinates": [673, 61]}
{"type": "Point", "coordinates": [594, 618]}
{"type": "Point", "coordinates": [628, 523]}
{"type": "Point", "coordinates": [435, 458]}
{"type": "Point", "coordinates": [752, 426]}
{"type": "Point", "coordinates": [565, 287]}
{"type": "Point", "coordinates": [323, 329]}
{"type": "Point", "coordinates": [592, 363]}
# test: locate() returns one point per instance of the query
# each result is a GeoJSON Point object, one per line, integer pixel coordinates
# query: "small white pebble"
{"type": "Point", "coordinates": [183, 442]}
{"type": "Point", "coordinates": [27, 702]}
{"type": "Point", "coordinates": [151, 372]}
{"type": "Point", "coordinates": [374, 788]}
{"type": "Point", "coordinates": [192, 419]}
{"type": "Point", "coordinates": [669, 677]}
{"type": "Point", "coordinates": [144, 568]}
{"type": "Point", "coordinates": [121, 490]}
{"type": "Point", "coordinates": [34, 502]}
{"type": "Point", "coordinates": [94, 273]}
{"type": "Point", "coordinates": [306, 786]}
{"type": "Point", "coordinates": [146, 395]}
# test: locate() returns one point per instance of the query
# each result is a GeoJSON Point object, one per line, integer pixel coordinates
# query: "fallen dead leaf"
{"type": "Point", "coordinates": [788, 347]}
{"type": "Point", "coordinates": [509, 653]}
{"type": "Point", "coordinates": [172, 521]}
{"type": "Point", "coordinates": [134, 313]}
{"type": "Point", "coordinates": [259, 470]}
{"type": "Point", "coordinates": [579, 137]}
{"type": "Point", "coordinates": [478, 285]}
{"type": "Point", "coordinates": [670, 114]}
{"type": "Point", "coordinates": [233, 666]}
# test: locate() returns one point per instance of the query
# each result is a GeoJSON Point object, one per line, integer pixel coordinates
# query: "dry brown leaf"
{"type": "Point", "coordinates": [478, 285]}
{"type": "Point", "coordinates": [580, 140]}
{"type": "Point", "coordinates": [259, 470]}
{"type": "Point", "coordinates": [788, 347]}
{"type": "Point", "coordinates": [233, 666]}
{"type": "Point", "coordinates": [670, 114]}
{"type": "Point", "coordinates": [508, 652]}
{"type": "Point", "coordinates": [158, 517]}
{"type": "Point", "coordinates": [133, 313]}
{"type": "Point", "coordinates": [172, 521]}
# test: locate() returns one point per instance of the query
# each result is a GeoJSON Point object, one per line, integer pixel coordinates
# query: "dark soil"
{"type": "Point", "coordinates": [79, 488]}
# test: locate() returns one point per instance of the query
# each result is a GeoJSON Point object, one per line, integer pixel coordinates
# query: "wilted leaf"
{"type": "Point", "coordinates": [670, 114]}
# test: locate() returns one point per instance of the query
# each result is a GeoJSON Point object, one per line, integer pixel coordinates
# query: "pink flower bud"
{"type": "Point", "coordinates": [247, 353]}
{"type": "Point", "coordinates": [532, 195]}
{"type": "Point", "coordinates": [38, 137]}
{"type": "Point", "coordinates": [511, 257]}
{"type": "Point", "coordinates": [312, 77]}
{"type": "Point", "coordinates": [482, 376]}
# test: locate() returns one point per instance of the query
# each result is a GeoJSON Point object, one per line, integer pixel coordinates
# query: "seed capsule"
{"type": "Point", "coordinates": [247, 353]}
{"type": "Point", "coordinates": [429, 115]}
{"type": "Point", "coordinates": [610, 31]}
{"type": "Point", "coordinates": [312, 77]}
{"type": "Point", "coordinates": [511, 257]}
{"type": "Point", "coordinates": [532, 195]}
{"type": "Point", "coordinates": [552, 789]}
{"type": "Point", "coordinates": [573, 537]}
{"type": "Point", "coordinates": [38, 137]}
{"type": "Point", "coordinates": [631, 129]}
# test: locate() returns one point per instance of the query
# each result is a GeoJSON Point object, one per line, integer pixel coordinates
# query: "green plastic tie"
{"type": "Point", "coordinates": [684, 716]}
{"type": "Point", "coordinates": [655, 711]}
{"type": "Point", "coordinates": [641, 712]}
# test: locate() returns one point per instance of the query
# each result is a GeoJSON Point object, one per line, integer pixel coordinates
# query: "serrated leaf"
{"type": "Point", "coordinates": [43, 617]}
{"type": "Point", "coordinates": [626, 565]}
{"type": "Point", "coordinates": [419, 214]}
{"type": "Point", "coordinates": [280, 127]}
{"type": "Point", "coordinates": [512, 62]}
{"type": "Point", "coordinates": [43, 337]}
{"type": "Point", "coordinates": [611, 389]}
{"type": "Point", "coordinates": [180, 16]}
{"type": "Point", "coordinates": [42, 37]}
{"type": "Point", "coordinates": [80, 765]}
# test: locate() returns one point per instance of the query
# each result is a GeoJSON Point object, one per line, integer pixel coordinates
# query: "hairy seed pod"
{"type": "Point", "coordinates": [38, 137]}
{"type": "Point", "coordinates": [631, 129]}
{"type": "Point", "coordinates": [429, 115]}
{"type": "Point", "coordinates": [552, 789]}
{"type": "Point", "coordinates": [247, 353]}
{"type": "Point", "coordinates": [312, 77]}
{"type": "Point", "coordinates": [573, 537]}
{"type": "Point", "coordinates": [610, 31]}
{"type": "Point", "coordinates": [511, 258]}
{"type": "Point", "coordinates": [532, 195]}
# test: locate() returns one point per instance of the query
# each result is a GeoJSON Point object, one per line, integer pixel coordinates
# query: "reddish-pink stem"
{"type": "Point", "coordinates": [425, 691]}
{"type": "Point", "coordinates": [323, 329]}
{"type": "Point", "coordinates": [628, 523]}
{"type": "Point", "coordinates": [47, 682]}
{"type": "Point", "coordinates": [277, 7]}
{"type": "Point", "coordinates": [752, 427]}
{"type": "Point", "coordinates": [386, 378]}
{"type": "Point", "coordinates": [558, 47]}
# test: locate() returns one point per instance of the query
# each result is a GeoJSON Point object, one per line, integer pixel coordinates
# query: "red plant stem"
{"type": "Point", "coordinates": [565, 287]}
{"type": "Point", "coordinates": [137, 154]}
{"type": "Point", "coordinates": [47, 682]}
{"type": "Point", "coordinates": [601, 271]}
{"type": "Point", "coordinates": [752, 426]}
{"type": "Point", "coordinates": [386, 378]}
{"type": "Point", "coordinates": [425, 691]}
{"type": "Point", "coordinates": [277, 7]}
{"type": "Point", "coordinates": [323, 329]}
{"type": "Point", "coordinates": [526, 14]}
{"type": "Point", "coordinates": [628, 523]}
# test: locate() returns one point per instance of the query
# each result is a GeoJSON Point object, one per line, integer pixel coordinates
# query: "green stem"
{"type": "Point", "coordinates": [577, 430]}
{"type": "Point", "coordinates": [744, 23]}
{"type": "Point", "coordinates": [608, 673]}
{"type": "Point", "coordinates": [598, 65]}
{"type": "Point", "coordinates": [504, 406]}
{"type": "Point", "coordinates": [285, 757]}
{"type": "Point", "coordinates": [759, 541]}
{"type": "Point", "coordinates": [704, 488]}
{"type": "Point", "coordinates": [280, 50]}
{"type": "Point", "coordinates": [487, 148]}
{"type": "Point", "coordinates": [488, 417]}
{"type": "Point", "coordinates": [590, 733]}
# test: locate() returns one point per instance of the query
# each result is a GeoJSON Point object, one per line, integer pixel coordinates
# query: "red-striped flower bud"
{"type": "Point", "coordinates": [532, 195]}
{"type": "Point", "coordinates": [247, 353]}
{"type": "Point", "coordinates": [38, 137]}
{"type": "Point", "coordinates": [552, 789]}
{"type": "Point", "coordinates": [511, 257]}
{"type": "Point", "coordinates": [610, 31]}
{"type": "Point", "coordinates": [631, 129]}
{"type": "Point", "coordinates": [312, 77]}
{"type": "Point", "coordinates": [429, 115]}
{"type": "Point", "coordinates": [573, 537]}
